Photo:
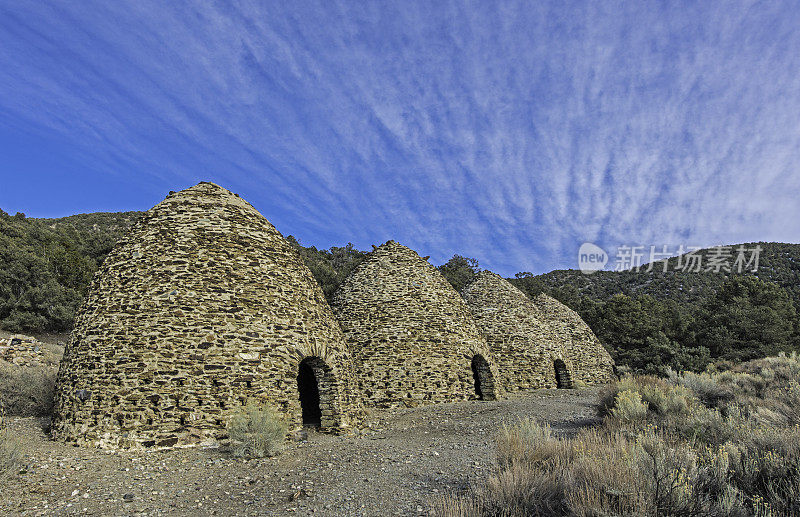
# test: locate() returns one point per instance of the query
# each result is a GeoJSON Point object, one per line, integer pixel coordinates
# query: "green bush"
{"type": "Point", "coordinates": [659, 397]}
{"type": "Point", "coordinates": [256, 432]}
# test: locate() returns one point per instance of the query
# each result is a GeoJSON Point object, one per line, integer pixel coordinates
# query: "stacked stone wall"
{"type": "Point", "coordinates": [202, 308]}
{"type": "Point", "coordinates": [23, 350]}
{"type": "Point", "coordinates": [412, 336]}
{"type": "Point", "coordinates": [524, 347]}
{"type": "Point", "coordinates": [591, 362]}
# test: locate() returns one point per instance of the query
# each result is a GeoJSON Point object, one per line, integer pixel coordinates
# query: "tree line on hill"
{"type": "Point", "coordinates": [649, 321]}
{"type": "Point", "coordinates": [46, 266]}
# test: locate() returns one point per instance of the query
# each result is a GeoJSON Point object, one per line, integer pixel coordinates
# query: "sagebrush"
{"type": "Point", "coordinates": [256, 431]}
{"type": "Point", "coordinates": [722, 443]}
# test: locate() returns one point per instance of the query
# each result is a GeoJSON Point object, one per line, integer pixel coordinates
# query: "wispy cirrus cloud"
{"type": "Point", "coordinates": [505, 131]}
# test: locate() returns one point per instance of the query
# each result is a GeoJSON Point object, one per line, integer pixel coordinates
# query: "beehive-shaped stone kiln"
{"type": "Point", "coordinates": [529, 353]}
{"type": "Point", "coordinates": [202, 308]}
{"type": "Point", "coordinates": [592, 363]}
{"type": "Point", "coordinates": [412, 336]}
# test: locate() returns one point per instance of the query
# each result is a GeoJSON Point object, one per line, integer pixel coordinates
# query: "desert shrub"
{"type": "Point", "coordinates": [787, 402]}
{"type": "Point", "coordinates": [256, 431]}
{"type": "Point", "coordinates": [722, 443]}
{"type": "Point", "coordinates": [669, 472]}
{"type": "Point", "coordinates": [470, 504]}
{"type": "Point", "coordinates": [605, 472]}
{"type": "Point", "coordinates": [526, 443]}
{"type": "Point", "coordinates": [540, 474]}
{"type": "Point", "coordinates": [608, 394]}
{"type": "Point", "coordinates": [668, 400]}
{"type": "Point", "coordinates": [27, 390]}
{"type": "Point", "coordinates": [705, 386]}
{"type": "Point", "coordinates": [629, 407]}
{"type": "Point", "coordinates": [758, 378]}
{"type": "Point", "coordinates": [10, 453]}
{"type": "Point", "coordinates": [659, 397]}
{"type": "Point", "coordinates": [609, 461]}
{"type": "Point", "coordinates": [705, 425]}
{"type": "Point", "coordinates": [766, 469]}
{"type": "Point", "coordinates": [523, 491]}
{"type": "Point", "coordinates": [595, 473]}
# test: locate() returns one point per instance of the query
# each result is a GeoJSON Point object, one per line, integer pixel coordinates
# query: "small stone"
{"type": "Point", "coordinates": [298, 495]}
{"type": "Point", "coordinates": [127, 498]}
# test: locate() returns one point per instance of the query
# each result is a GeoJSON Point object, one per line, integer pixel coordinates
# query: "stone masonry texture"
{"type": "Point", "coordinates": [202, 308]}
{"type": "Point", "coordinates": [22, 350]}
{"type": "Point", "coordinates": [523, 345]}
{"type": "Point", "coordinates": [412, 336]}
{"type": "Point", "coordinates": [591, 362]}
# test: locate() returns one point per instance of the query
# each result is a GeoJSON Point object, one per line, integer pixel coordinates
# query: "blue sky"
{"type": "Point", "coordinates": [507, 131]}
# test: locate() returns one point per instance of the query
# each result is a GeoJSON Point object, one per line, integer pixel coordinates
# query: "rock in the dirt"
{"type": "Point", "coordinates": [298, 495]}
{"type": "Point", "coordinates": [127, 498]}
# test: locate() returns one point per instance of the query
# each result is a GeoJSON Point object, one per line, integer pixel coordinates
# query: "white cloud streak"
{"type": "Point", "coordinates": [506, 131]}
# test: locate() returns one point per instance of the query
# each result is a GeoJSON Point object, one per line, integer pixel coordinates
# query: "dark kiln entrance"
{"type": "Point", "coordinates": [563, 379]}
{"type": "Point", "coordinates": [308, 387]}
{"type": "Point", "coordinates": [316, 386]}
{"type": "Point", "coordinates": [482, 376]}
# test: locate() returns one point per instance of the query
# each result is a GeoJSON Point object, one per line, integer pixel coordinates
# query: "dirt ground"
{"type": "Point", "coordinates": [397, 467]}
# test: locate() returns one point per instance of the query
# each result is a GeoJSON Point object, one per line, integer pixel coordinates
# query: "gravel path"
{"type": "Point", "coordinates": [396, 467]}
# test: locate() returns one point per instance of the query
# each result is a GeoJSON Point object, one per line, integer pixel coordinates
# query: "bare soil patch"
{"type": "Point", "coordinates": [396, 467]}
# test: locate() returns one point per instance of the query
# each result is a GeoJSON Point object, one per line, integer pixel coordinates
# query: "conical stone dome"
{"type": "Point", "coordinates": [592, 363]}
{"type": "Point", "coordinates": [202, 308]}
{"type": "Point", "coordinates": [412, 336]}
{"type": "Point", "coordinates": [525, 348]}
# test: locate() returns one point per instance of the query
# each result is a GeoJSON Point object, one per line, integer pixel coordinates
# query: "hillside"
{"type": "Point", "coordinates": [647, 320]}
{"type": "Point", "coordinates": [778, 263]}
{"type": "Point", "coordinates": [652, 321]}
{"type": "Point", "coordinates": [46, 266]}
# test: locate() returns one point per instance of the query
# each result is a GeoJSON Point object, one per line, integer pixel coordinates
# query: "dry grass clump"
{"type": "Point", "coordinates": [27, 390]}
{"type": "Point", "coordinates": [256, 432]}
{"type": "Point", "coordinates": [10, 453]}
{"type": "Point", "coordinates": [51, 354]}
{"type": "Point", "coordinates": [722, 443]}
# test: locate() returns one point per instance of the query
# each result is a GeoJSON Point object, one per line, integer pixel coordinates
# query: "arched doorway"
{"type": "Point", "coordinates": [483, 378]}
{"type": "Point", "coordinates": [308, 388]}
{"type": "Point", "coordinates": [563, 379]}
